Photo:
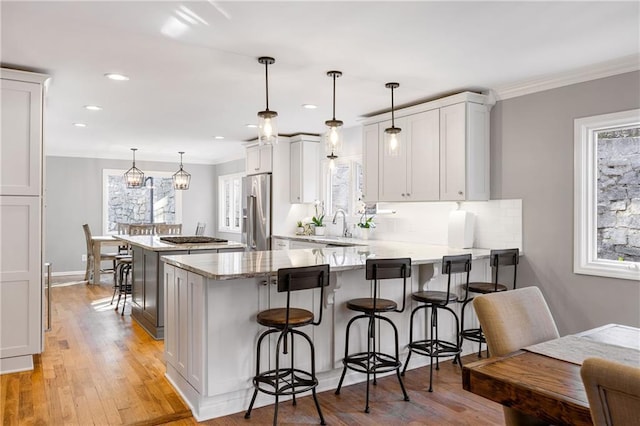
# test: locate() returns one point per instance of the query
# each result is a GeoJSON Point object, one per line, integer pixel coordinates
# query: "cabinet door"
{"type": "Point", "coordinates": [478, 176]}
{"type": "Point", "coordinates": [453, 132]}
{"type": "Point", "coordinates": [20, 276]}
{"type": "Point", "coordinates": [172, 310]}
{"type": "Point", "coordinates": [20, 153]}
{"type": "Point", "coordinates": [304, 171]}
{"type": "Point", "coordinates": [252, 164]}
{"type": "Point", "coordinates": [182, 333]}
{"type": "Point", "coordinates": [279, 244]}
{"type": "Point", "coordinates": [423, 156]}
{"type": "Point", "coordinates": [392, 180]}
{"type": "Point", "coordinates": [196, 330]}
{"type": "Point", "coordinates": [370, 150]}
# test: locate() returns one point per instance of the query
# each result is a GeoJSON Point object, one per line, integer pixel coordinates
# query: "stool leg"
{"type": "Point", "coordinates": [313, 375]}
{"type": "Point", "coordinates": [255, 383]}
{"type": "Point", "coordinates": [395, 331]}
{"type": "Point", "coordinates": [370, 333]}
{"type": "Point", "coordinates": [293, 389]}
{"type": "Point", "coordinates": [431, 350]}
{"type": "Point", "coordinates": [346, 354]}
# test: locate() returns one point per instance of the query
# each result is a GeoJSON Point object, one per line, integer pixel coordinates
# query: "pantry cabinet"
{"type": "Point", "coordinates": [444, 152]}
{"type": "Point", "coordinates": [21, 213]}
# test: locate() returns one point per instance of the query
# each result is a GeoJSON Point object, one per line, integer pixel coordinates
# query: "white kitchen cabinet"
{"type": "Point", "coordinates": [413, 174]}
{"type": "Point", "coordinates": [279, 244]}
{"type": "Point", "coordinates": [370, 156]}
{"type": "Point", "coordinates": [259, 159]}
{"type": "Point", "coordinates": [305, 170]}
{"type": "Point", "coordinates": [464, 152]}
{"type": "Point", "coordinates": [444, 152]}
{"type": "Point", "coordinates": [21, 205]}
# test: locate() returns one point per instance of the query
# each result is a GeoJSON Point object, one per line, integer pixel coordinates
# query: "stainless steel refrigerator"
{"type": "Point", "coordinates": [256, 212]}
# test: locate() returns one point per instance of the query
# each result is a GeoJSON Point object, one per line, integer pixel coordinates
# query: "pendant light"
{"type": "Point", "coordinates": [392, 134]}
{"type": "Point", "coordinates": [333, 136]}
{"type": "Point", "coordinates": [134, 178]}
{"type": "Point", "coordinates": [181, 179]}
{"type": "Point", "coordinates": [267, 126]}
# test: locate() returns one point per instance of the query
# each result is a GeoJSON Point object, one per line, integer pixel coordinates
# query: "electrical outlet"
{"type": "Point", "coordinates": [84, 257]}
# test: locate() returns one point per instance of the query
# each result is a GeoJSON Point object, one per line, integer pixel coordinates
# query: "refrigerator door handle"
{"type": "Point", "coordinates": [251, 228]}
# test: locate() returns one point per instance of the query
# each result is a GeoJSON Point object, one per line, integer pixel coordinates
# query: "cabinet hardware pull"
{"type": "Point", "coordinates": [460, 192]}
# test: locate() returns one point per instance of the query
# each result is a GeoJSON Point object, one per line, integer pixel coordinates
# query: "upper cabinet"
{"type": "Point", "coordinates": [259, 159]}
{"type": "Point", "coordinates": [444, 152]}
{"type": "Point", "coordinates": [305, 169]}
{"type": "Point", "coordinates": [21, 153]}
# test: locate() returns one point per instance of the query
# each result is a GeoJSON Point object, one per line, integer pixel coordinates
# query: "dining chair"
{"type": "Point", "coordinates": [200, 228]}
{"type": "Point", "coordinates": [142, 229]}
{"type": "Point", "coordinates": [168, 229]}
{"type": "Point", "coordinates": [104, 257]}
{"type": "Point", "coordinates": [510, 321]}
{"type": "Point", "coordinates": [613, 391]}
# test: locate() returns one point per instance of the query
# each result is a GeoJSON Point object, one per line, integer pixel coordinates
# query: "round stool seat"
{"type": "Point", "coordinates": [366, 305]}
{"type": "Point", "coordinates": [434, 297]}
{"type": "Point", "coordinates": [277, 318]}
{"type": "Point", "coordinates": [485, 288]}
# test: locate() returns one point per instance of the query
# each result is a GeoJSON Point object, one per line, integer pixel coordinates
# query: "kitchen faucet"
{"type": "Point", "coordinates": [345, 230]}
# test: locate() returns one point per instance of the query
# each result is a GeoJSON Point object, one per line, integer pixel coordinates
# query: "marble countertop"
{"type": "Point", "coordinates": [152, 242]}
{"type": "Point", "coordinates": [228, 266]}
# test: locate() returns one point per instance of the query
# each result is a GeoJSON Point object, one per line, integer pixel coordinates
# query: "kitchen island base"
{"type": "Point", "coordinates": [211, 331]}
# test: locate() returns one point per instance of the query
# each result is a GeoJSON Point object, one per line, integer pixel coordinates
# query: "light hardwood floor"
{"type": "Point", "coordinates": [101, 368]}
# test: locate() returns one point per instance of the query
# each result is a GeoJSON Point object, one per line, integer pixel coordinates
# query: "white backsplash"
{"type": "Point", "coordinates": [498, 223]}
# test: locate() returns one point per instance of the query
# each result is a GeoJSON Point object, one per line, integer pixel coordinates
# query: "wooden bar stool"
{"type": "Point", "coordinates": [497, 259]}
{"type": "Point", "coordinates": [434, 347]}
{"type": "Point", "coordinates": [373, 362]}
{"type": "Point", "coordinates": [284, 321]}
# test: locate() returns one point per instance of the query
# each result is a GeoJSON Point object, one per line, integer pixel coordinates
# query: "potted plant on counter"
{"type": "Point", "coordinates": [317, 220]}
{"type": "Point", "coordinates": [366, 226]}
{"type": "Point", "coordinates": [299, 228]}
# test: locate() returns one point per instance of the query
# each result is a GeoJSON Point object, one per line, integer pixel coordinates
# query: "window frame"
{"type": "Point", "coordinates": [353, 161]}
{"type": "Point", "coordinates": [120, 172]}
{"type": "Point", "coordinates": [586, 197]}
{"type": "Point", "coordinates": [221, 203]}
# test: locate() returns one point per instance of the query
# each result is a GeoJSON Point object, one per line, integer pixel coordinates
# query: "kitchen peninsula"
{"type": "Point", "coordinates": [147, 294]}
{"type": "Point", "coordinates": [212, 301]}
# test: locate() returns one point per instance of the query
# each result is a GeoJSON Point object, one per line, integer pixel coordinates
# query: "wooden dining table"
{"type": "Point", "coordinates": [547, 384]}
{"type": "Point", "coordinates": [97, 241]}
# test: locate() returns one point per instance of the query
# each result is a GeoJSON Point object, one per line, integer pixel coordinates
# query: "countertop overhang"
{"type": "Point", "coordinates": [234, 265]}
{"type": "Point", "coordinates": [153, 243]}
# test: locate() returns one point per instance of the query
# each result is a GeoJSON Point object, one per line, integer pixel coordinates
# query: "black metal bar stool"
{"type": "Point", "coordinates": [373, 361]}
{"type": "Point", "coordinates": [290, 381]}
{"type": "Point", "coordinates": [434, 347]}
{"type": "Point", "coordinates": [123, 282]}
{"type": "Point", "coordinates": [497, 259]}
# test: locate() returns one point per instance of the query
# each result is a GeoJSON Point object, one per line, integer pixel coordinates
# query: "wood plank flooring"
{"type": "Point", "coordinates": [101, 368]}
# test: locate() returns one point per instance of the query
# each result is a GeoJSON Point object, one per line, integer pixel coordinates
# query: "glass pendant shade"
{"type": "Point", "coordinates": [181, 179]}
{"type": "Point", "coordinates": [134, 178]}
{"type": "Point", "coordinates": [267, 120]}
{"type": "Point", "coordinates": [392, 139]}
{"type": "Point", "coordinates": [333, 135]}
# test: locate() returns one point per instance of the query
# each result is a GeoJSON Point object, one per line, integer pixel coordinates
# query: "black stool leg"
{"type": "Point", "coordinates": [395, 331]}
{"type": "Point", "coordinates": [313, 374]}
{"type": "Point", "coordinates": [255, 383]}
{"type": "Point", "coordinates": [346, 353]}
{"type": "Point", "coordinates": [432, 347]}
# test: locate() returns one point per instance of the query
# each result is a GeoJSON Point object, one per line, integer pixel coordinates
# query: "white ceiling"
{"type": "Point", "coordinates": [191, 80]}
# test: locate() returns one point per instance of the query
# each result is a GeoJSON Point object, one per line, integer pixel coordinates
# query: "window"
{"type": "Point", "coordinates": [607, 195]}
{"type": "Point", "coordinates": [230, 202]}
{"type": "Point", "coordinates": [156, 202]}
{"type": "Point", "coordinates": [342, 186]}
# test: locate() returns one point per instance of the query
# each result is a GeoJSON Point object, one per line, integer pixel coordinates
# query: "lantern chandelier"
{"type": "Point", "coordinates": [267, 125]}
{"type": "Point", "coordinates": [391, 134]}
{"type": "Point", "coordinates": [134, 178]}
{"type": "Point", "coordinates": [333, 136]}
{"type": "Point", "coordinates": [181, 179]}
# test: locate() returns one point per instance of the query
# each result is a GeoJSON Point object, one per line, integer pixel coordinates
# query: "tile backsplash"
{"type": "Point", "coordinates": [498, 223]}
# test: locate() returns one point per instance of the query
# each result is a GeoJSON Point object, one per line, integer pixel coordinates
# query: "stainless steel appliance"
{"type": "Point", "coordinates": [256, 212]}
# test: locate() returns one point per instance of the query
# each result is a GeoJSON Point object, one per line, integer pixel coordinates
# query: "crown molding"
{"type": "Point", "coordinates": [592, 72]}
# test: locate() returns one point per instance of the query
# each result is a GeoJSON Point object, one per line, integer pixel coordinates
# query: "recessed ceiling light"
{"type": "Point", "coordinates": [252, 126]}
{"type": "Point", "coordinates": [218, 137]}
{"type": "Point", "coordinates": [93, 107]}
{"type": "Point", "coordinates": [309, 106]}
{"type": "Point", "coordinates": [117, 77]}
{"type": "Point", "coordinates": [79, 124]}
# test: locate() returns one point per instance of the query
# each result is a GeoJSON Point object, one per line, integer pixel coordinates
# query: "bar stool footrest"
{"type": "Point", "coordinates": [435, 348]}
{"type": "Point", "coordinates": [378, 362]}
{"type": "Point", "coordinates": [290, 381]}
{"type": "Point", "coordinates": [473, 335]}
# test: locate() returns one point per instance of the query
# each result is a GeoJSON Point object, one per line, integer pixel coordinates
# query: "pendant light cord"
{"type": "Point", "coordinates": [392, 114]}
{"type": "Point", "coordinates": [266, 82]}
{"type": "Point", "coordinates": [334, 98]}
